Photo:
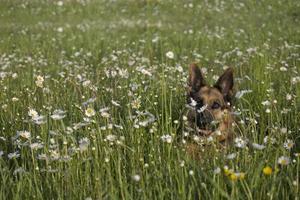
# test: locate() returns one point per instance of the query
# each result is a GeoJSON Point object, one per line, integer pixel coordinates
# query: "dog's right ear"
{"type": "Point", "coordinates": [196, 79]}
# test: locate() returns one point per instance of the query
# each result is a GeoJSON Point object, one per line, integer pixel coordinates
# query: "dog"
{"type": "Point", "coordinates": [210, 107]}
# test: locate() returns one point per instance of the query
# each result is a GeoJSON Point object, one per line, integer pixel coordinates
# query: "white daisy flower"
{"type": "Point", "coordinates": [166, 138]}
{"type": "Point", "coordinates": [217, 170]}
{"type": "Point", "coordinates": [191, 172]}
{"type": "Point", "coordinates": [266, 103]}
{"type": "Point", "coordinates": [136, 178]}
{"type": "Point", "coordinates": [288, 144]}
{"type": "Point", "coordinates": [90, 112]}
{"type": "Point", "coordinates": [60, 3]}
{"type": "Point", "coordinates": [258, 146]}
{"type": "Point", "coordinates": [170, 55]}
{"type": "Point", "coordinates": [24, 134]}
{"type": "Point", "coordinates": [60, 29]}
{"type": "Point", "coordinates": [58, 114]}
{"type": "Point", "coordinates": [283, 130]}
{"type": "Point", "coordinates": [289, 97]}
{"type": "Point", "coordinates": [39, 81]}
{"type": "Point", "coordinates": [284, 160]}
{"type": "Point", "coordinates": [13, 155]}
{"type": "Point", "coordinates": [36, 145]}
{"type": "Point", "coordinates": [231, 156]}
{"type": "Point", "coordinates": [32, 113]}
{"type": "Point", "coordinates": [111, 137]}
{"type": "Point", "coordinates": [240, 143]}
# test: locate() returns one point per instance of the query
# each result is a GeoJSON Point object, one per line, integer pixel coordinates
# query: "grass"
{"type": "Point", "coordinates": [110, 57]}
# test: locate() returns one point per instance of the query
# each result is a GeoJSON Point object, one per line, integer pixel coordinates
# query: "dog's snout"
{"type": "Point", "coordinates": [204, 119]}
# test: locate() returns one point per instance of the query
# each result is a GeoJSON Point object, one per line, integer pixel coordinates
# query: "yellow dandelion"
{"type": "Point", "coordinates": [267, 170]}
{"type": "Point", "coordinates": [233, 177]}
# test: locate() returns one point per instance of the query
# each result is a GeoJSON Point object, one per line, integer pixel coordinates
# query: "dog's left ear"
{"type": "Point", "coordinates": [196, 79]}
{"type": "Point", "coordinates": [225, 84]}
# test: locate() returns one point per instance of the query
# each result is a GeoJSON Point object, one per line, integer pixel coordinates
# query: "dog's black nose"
{"type": "Point", "coordinates": [203, 120]}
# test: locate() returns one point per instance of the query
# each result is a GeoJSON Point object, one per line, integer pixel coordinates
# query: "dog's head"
{"type": "Point", "coordinates": [211, 104]}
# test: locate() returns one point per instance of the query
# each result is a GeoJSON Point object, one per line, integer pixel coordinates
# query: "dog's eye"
{"type": "Point", "coordinates": [215, 105]}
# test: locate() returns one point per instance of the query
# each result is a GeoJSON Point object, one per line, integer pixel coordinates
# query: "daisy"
{"type": "Point", "coordinates": [36, 145]}
{"type": "Point", "coordinates": [39, 81]}
{"type": "Point", "coordinates": [60, 29]}
{"type": "Point", "coordinates": [217, 170]}
{"type": "Point", "coordinates": [58, 114]}
{"type": "Point", "coordinates": [288, 144]}
{"type": "Point", "coordinates": [283, 69]}
{"type": "Point", "coordinates": [289, 97]}
{"type": "Point", "coordinates": [266, 103]}
{"type": "Point", "coordinates": [283, 160]}
{"type": "Point", "coordinates": [60, 3]}
{"type": "Point", "coordinates": [13, 155]}
{"type": "Point", "coordinates": [123, 73]}
{"type": "Point", "coordinates": [240, 143]}
{"type": "Point", "coordinates": [111, 137]}
{"type": "Point", "coordinates": [170, 55]}
{"type": "Point", "coordinates": [166, 138]}
{"type": "Point", "coordinates": [146, 72]}
{"type": "Point", "coordinates": [136, 178]}
{"type": "Point", "coordinates": [86, 83]}
{"type": "Point", "coordinates": [231, 156]}
{"type": "Point", "coordinates": [24, 134]}
{"type": "Point", "coordinates": [90, 112]}
{"type": "Point", "coordinates": [105, 114]}
{"type": "Point", "coordinates": [136, 104]}
{"type": "Point", "coordinates": [258, 146]}
{"type": "Point", "coordinates": [40, 119]}
{"type": "Point", "coordinates": [32, 113]}
{"type": "Point", "coordinates": [283, 130]}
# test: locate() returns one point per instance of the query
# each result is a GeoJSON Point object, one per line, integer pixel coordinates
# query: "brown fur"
{"type": "Point", "coordinates": [217, 102]}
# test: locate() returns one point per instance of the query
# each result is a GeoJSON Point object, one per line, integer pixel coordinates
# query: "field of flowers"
{"type": "Point", "coordinates": [93, 98]}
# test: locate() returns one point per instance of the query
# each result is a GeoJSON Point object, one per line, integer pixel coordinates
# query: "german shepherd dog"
{"type": "Point", "coordinates": [210, 112]}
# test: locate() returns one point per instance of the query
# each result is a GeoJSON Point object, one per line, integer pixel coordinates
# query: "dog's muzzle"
{"type": "Point", "coordinates": [204, 120]}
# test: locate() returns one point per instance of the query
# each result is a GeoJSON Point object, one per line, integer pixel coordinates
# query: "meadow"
{"type": "Point", "coordinates": [93, 98]}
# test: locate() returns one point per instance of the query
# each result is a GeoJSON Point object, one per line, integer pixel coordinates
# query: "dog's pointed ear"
{"type": "Point", "coordinates": [225, 83]}
{"type": "Point", "coordinates": [196, 79]}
